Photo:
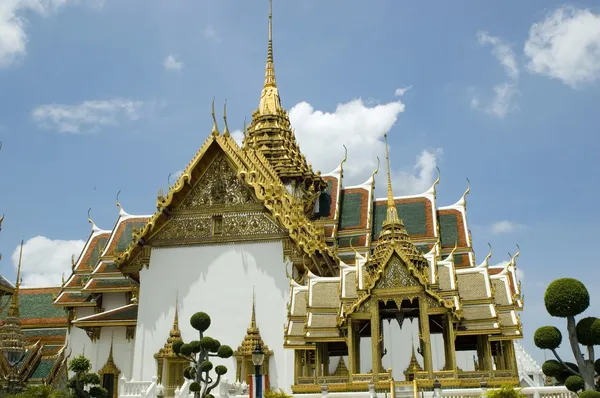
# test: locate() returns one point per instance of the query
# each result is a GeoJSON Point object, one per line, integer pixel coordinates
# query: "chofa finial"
{"type": "Point", "coordinates": [215, 129]}
{"type": "Point", "coordinates": [226, 130]}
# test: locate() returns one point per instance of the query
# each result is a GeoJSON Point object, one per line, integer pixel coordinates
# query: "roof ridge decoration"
{"type": "Point", "coordinates": [122, 212]}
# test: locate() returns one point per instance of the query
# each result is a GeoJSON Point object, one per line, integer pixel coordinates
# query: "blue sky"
{"type": "Point", "coordinates": [91, 103]}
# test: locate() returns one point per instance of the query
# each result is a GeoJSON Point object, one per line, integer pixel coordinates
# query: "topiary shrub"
{"type": "Point", "coordinates": [566, 298]}
{"type": "Point", "coordinates": [547, 337]}
{"type": "Point", "coordinates": [84, 384]}
{"type": "Point", "coordinates": [199, 352]}
{"type": "Point", "coordinates": [589, 394]}
{"type": "Point", "coordinates": [574, 383]}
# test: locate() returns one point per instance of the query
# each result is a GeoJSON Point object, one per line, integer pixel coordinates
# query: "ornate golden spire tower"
{"type": "Point", "coordinates": [270, 133]}
{"type": "Point", "coordinates": [12, 339]}
{"type": "Point", "coordinates": [394, 232]}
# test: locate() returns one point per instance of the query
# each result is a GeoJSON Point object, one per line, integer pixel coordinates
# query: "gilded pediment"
{"type": "Point", "coordinates": [396, 275]}
{"type": "Point", "coordinates": [218, 188]}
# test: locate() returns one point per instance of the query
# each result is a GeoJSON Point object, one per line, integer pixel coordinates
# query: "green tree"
{"type": "Point", "coordinates": [505, 392]}
{"type": "Point", "coordinates": [567, 298]}
{"type": "Point", "coordinates": [83, 378]}
{"type": "Point", "coordinates": [199, 352]}
{"type": "Point", "coordinates": [40, 392]}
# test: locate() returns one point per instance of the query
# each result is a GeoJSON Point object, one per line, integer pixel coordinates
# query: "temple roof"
{"type": "Point", "coordinates": [122, 316]}
{"type": "Point", "coordinates": [35, 307]}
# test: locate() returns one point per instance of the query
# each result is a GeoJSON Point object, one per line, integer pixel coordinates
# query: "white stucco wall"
{"type": "Point", "coordinates": [97, 352]}
{"type": "Point", "coordinates": [218, 280]}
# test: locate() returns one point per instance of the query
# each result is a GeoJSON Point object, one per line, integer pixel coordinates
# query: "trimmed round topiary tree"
{"type": "Point", "coordinates": [199, 352]}
{"type": "Point", "coordinates": [567, 298]}
{"type": "Point", "coordinates": [84, 383]}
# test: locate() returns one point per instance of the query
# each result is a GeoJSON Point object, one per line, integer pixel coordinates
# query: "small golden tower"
{"type": "Point", "coordinates": [243, 354]}
{"type": "Point", "coordinates": [413, 366]}
{"type": "Point", "coordinates": [170, 367]}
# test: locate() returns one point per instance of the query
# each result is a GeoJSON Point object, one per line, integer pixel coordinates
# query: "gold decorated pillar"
{"type": "Point", "coordinates": [375, 340]}
{"type": "Point", "coordinates": [449, 346]}
{"type": "Point", "coordinates": [350, 340]}
{"type": "Point", "coordinates": [318, 361]}
{"type": "Point", "coordinates": [511, 358]}
{"type": "Point", "coordinates": [484, 353]}
{"type": "Point", "coordinates": [325, 359]}
{"type": "Point", "coordinates": [425, 337]}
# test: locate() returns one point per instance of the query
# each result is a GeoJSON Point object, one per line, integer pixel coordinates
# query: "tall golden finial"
{"type": "Point", "coordinates": [13, 310]}
{"type": "Point", "coordinates": [269, 98]}
{"type": "Point", "coordinates": [270, 73]}
{"type": "Point", "coordinates": [226, 130]}
{"type": "Point", "coordinates": [253, 318]}
{"type": "Point", "coordinates": [392, 213]}
{"type": "Point", "coordinates": [110, 353]}
{"type": "Point", "coordinates": [215, 128]}
{"type": "Point", "coordinates": [176, 318]}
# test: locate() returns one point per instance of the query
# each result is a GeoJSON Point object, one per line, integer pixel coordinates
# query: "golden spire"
{"type": "Point", "coordinates": [270, 70]}
{"type": "Point", "coordinates": [13, 310]}
{"type": "Point", "coordinates": [253, 317]}
{"type": "Point", "coordinates": [269, 98]}
{"type": "Point", "coordinates": [392, 213]}
{"type": "Point", "coordinates": [175, 332]}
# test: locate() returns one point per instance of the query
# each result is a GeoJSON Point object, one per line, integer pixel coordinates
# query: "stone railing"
{"type": "Point", "coordinates": [139, 389]}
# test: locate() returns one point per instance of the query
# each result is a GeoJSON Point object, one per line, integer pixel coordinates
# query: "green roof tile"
{"type": "Point", "coordinates": [43, 369]}
{"type": "Point", "coordinates": [351, 206]}
{"type": "Point", "coordinates": [92, 261]}
{"type": "Point", "coordinates": [448, 229]}
{"type": "Point", "coordinates": [413, 214]}
{"type": "Point", "coordinates": [36, 306]}
{"type": "Point", "coordinates": [127, 235]}
{"type": "Point", "coordinates": [120, 282]}
{"type": "Point", "coordinates": [50, 332]}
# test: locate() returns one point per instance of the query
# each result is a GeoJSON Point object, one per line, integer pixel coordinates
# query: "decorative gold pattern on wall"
{"type": "Point", "coordinates": [396, 275]}
{"type": "Point", "coordinates": [196, 228]}
{"type": "Point", "coordinates": [219, 187]}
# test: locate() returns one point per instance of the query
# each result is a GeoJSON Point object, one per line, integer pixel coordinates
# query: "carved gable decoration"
{"type": "Point", "coordinates": [219, 208]}
{"type": "Point", "coordinates": [396, 275]}
{"type": "Point", "coordinates": [219, 186]}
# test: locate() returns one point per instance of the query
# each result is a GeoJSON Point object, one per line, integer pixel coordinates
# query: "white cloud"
{"type": "Point", "coordinates": [89, 115]}
{"type": "Point", "coordinates": [566, 46]}
{"type": "Point", "coordinates": [504, 99]}
{"type": "Point", "coordinates": [505, 226]}
{"type": "Point", "coordinates": [401, 91]}
{"type": "Point", "coordinates": [45, 260]}
{"type": "Point", "coordinates": [13, 37]}
{"type": "Point", "coordinates": [210, 32]}
{"type": "Point", "coordinates": [172, 63]}
{"type": "Point", "coordinates": [359, 127]}
{"type": "Point", "coordinates": [503, 53]}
